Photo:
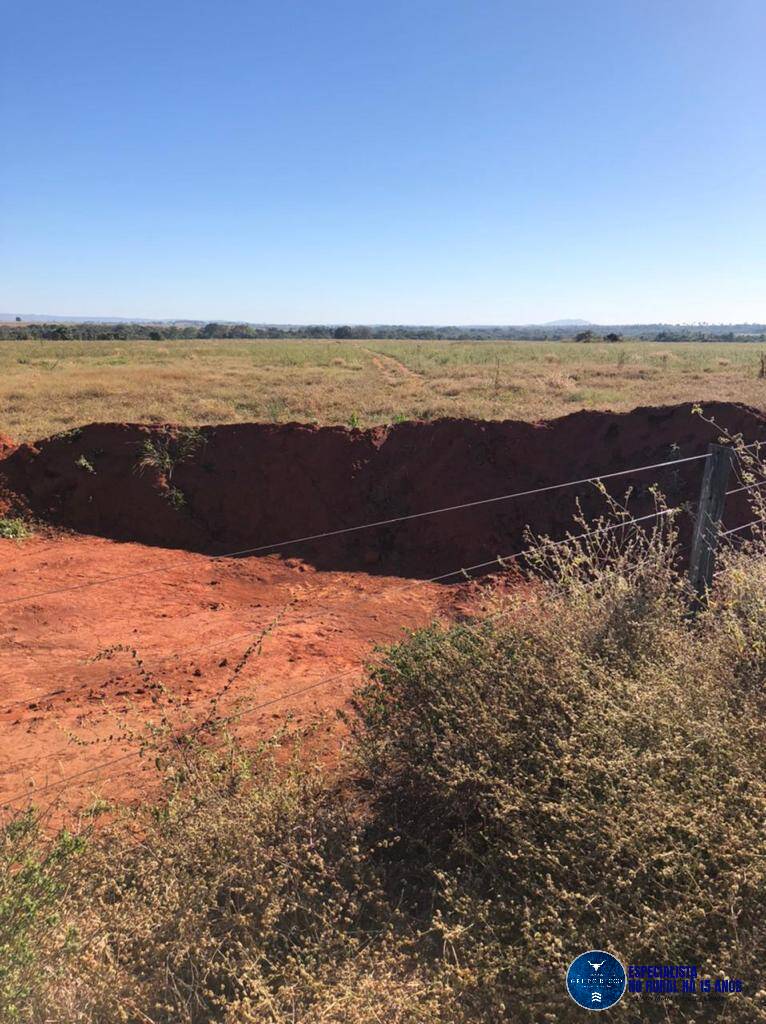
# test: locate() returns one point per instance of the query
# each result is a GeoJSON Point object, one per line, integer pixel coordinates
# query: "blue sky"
{"type": "Point", "coordinates": [412, 161]}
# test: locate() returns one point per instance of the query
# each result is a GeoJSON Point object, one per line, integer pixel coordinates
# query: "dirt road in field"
{"type": "Point", "coordinates": [67, 706]}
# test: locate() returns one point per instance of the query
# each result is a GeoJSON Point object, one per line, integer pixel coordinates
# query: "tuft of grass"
{"type": "Point", "coordinates": [165, 453]}
{"type": "Point", "coordinates": [68, 436]}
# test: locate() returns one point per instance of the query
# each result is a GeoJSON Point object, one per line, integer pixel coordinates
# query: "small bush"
{"type": "Point", "coordinates": [250, 896]}
{"type": "Point", "coordinates": [168, 450]}
{"type": "Point", "coordinates": [163, 454]}
{"type": "Point", "coordinates": [175, 497]}
{"type": "Point", "coordinates": [14, 528]}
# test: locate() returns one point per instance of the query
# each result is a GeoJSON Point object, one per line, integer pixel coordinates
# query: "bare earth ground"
{"type": "Point", "coordinates": [47, 387]}
{"type": "Point", "coordinates": [61, 712]}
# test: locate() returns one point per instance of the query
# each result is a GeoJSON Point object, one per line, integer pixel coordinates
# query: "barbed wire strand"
{"type": "Point", "coordinates": [747, 487]}
{"type": "Point", "coordinates": [736, 529]}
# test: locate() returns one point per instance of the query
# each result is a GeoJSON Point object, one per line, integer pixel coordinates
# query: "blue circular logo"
{"type": "Point", "coordinates": [596, 980]}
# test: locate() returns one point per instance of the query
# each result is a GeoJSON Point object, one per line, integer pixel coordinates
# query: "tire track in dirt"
{"type": "Point", "coordinates": [394, 371]}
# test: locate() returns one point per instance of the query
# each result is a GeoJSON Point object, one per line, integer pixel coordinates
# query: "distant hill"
{"type": "Point", "coordinates": [566, 323]}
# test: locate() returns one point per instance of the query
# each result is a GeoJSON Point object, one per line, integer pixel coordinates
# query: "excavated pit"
{"type": "Point", "coordinates": [241, 486]}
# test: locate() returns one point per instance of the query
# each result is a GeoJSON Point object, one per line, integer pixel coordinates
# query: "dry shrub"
{"type": "Point", "coordinates": [581, 778]}
{"type": "Point", "coordinates": [248, 895]}
{"type": "Point", "coordinates": [584, 770]}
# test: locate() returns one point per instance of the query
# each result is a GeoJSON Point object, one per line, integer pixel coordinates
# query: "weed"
{"type": "Point", "coordinates": [155, 454]}
{"type": "Point", "coordinates": [275, 409]}
{"type": "Point", "coordinates": [175, 497]}
{"type": "Point", "coordinates": [83, 462]}
{"type": "Point", "coordinates": [538, 808]}
{"type": "Point", "coordinates": [14, 528]}
{"type": "Point", "coordinates": [68, 436]}
{"type": "Point", "coordinates": [165, 452]}
{"type": "Point", "coordinates": [34, 874]}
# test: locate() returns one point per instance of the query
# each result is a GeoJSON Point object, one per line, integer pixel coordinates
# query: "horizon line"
{"type": "Point", "coordinates": [561, 322]}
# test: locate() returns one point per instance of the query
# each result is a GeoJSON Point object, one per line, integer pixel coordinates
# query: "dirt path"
{"type": "Point", "coordinates": [62, 712]}
{"type": "Point", "coordinates": [393, 370]}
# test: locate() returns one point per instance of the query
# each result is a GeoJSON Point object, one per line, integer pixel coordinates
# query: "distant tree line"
{"type": "Point", "coordinates": [92, 331]}
{"type": "Point", "coordinates": [157, 332]}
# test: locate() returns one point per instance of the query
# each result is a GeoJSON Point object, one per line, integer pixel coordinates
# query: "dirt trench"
{"type": "Point", "coordinates": [241, 486]}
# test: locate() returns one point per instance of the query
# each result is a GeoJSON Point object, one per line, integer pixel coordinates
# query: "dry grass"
{"type": "Point", "coordinates": [46, 387]}
{"type": "Point", "coordinates": [582, 769]}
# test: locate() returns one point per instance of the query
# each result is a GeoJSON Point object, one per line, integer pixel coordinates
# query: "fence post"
{"type": "Point", "coordinates": [708, 522]}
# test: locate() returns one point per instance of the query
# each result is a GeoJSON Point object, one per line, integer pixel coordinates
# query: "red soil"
{"type": "Point", "coordinates": [191, 623]}
{"type": "Point", "coordinates": [250, 485]}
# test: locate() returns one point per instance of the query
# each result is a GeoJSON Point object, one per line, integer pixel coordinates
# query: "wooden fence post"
{"type": "Point", "coordinates": [708, 522]}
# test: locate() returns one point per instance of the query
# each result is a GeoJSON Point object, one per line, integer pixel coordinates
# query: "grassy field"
{"type": "Point", "coordinates": [46, 387]}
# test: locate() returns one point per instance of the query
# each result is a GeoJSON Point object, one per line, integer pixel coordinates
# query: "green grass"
{"type": "Point", "coordinates": [49, 387]}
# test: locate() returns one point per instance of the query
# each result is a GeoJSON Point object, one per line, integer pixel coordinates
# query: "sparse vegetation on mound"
{"type": "Point", "coordinates": [583, 770]}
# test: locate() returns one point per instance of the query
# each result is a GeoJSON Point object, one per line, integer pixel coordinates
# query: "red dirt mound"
{"type": "Point", "coordinates": [241, 486]}
{"type": "Point", "coordinates": [7, 500]}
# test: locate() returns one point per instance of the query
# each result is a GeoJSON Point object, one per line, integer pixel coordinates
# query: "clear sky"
{"type": "Point", "coordinates": [405, 161]}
